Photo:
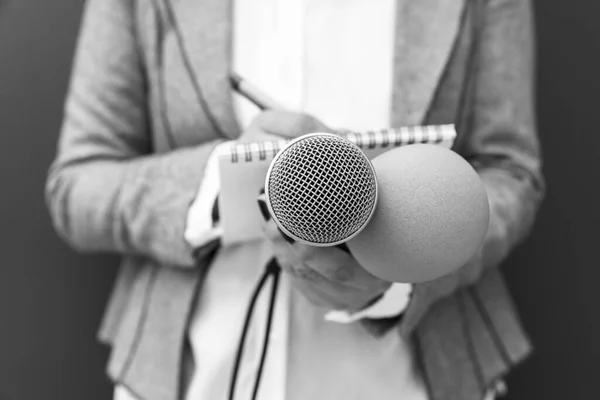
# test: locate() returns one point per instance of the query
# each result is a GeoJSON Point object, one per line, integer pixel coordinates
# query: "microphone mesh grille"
{"type": "Point", "coordinates": [322, 189]}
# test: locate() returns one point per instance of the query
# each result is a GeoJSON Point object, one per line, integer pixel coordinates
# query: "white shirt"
{"type": "Point", "coordinates": [332, 59]}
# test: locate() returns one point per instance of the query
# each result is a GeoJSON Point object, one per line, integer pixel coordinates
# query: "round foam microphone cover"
{"type": "Point", "coordinates": [431, 217]}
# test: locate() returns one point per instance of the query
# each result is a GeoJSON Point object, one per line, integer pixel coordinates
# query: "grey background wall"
{"type": "Point", "coordinates": [51, 299]}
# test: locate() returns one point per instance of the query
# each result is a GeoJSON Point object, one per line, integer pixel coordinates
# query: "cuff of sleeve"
{"type": "Point", "coordinates": [200, 228]}
{"type": "Point", "coordinates": [391, 304]}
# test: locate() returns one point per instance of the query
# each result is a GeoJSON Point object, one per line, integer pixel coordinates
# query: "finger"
{"type": "Point", "coordinates": [287, 123]}
{"type": "Point", "coordinates": [331, 263]}
{"type": "Point", "coordinates": [312, 296]}
{"type": "Point", "coordinates": [314, 263]}
{"type": "Point", "coordinates": [253, 134]}
{"type": "Point", "coordinates": [330, 294]}
{"type": "Point", "coordinates": [318, 297]}
{"type": "Point", "coordinates": [319, 293]}
{"type": "Point", "coordinates": [338, 266]}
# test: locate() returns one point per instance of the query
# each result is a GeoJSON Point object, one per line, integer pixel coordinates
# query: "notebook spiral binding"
{"type": "Point", "coordinates": [429, 134]}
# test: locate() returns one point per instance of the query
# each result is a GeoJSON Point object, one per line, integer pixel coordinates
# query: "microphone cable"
{"type": "Point", "coordinates": [272, 269]}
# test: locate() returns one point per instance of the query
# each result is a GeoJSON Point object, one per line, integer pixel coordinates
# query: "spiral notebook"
{"type": "Point", "coordinates": [243, 169]}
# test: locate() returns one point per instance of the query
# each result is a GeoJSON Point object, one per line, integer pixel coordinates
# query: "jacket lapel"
{"type": "Point", "coordinates": [426, 31]}
{"type": "Point", "coordinates": [206, 29]}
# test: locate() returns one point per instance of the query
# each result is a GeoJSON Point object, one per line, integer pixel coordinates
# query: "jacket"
{"type": "Point", "coordinates": [149, 99]}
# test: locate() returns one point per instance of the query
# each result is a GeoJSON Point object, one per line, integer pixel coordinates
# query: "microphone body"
{"type": "Point", "coordinates": [412, 214]}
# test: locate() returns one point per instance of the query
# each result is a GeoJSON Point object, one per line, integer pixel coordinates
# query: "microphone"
{"type": "Point", "coordinates": [321, 189]}
{"type": "Point", "coordinates": [432, 216]}
{"type": "Point", "coordinates": [413, 214]}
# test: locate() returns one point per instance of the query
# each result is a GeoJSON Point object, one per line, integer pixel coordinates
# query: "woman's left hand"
{"type": "Point", "coordinates": [329, 277]}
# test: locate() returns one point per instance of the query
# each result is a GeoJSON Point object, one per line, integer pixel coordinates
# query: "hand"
{"type": "Point", "coordinates": [279, 124]}
{"type": "Point", "coordinates": [327, 276]}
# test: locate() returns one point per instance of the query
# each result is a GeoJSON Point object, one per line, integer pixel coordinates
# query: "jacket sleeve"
{"type": "Point", "coordinates": [105, 190]}
{"type": "Point", "coordinates": [501, 143]}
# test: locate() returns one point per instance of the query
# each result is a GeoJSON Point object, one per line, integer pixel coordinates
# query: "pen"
{"type": "Point", "coordinates": [252, 93]}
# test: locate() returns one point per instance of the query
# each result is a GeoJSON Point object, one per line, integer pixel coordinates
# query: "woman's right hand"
{"type": "Point", "coordinates": [280, 124]}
